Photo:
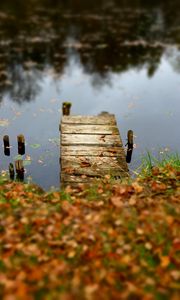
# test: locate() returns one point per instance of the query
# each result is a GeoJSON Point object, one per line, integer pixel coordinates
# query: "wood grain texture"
{"type": "Point", "coordinates": [91, 148]}
{"type": "Point", "coordinates": [84, 178]}
{"type": "Point", "coordinates": [96, 164]}
{"type": "Point", "coordinates": [78, 178]}
{"type": "Point", "coordinates": [89, 129]}
{"type": "Point", "coordinates": [91, 139]}
{"type": "Point", "coordinates": [95, 172]}
{"type": "Point", "coordinates": [84, 150]}
{"type": "Point", "coordinates": [92, 120]}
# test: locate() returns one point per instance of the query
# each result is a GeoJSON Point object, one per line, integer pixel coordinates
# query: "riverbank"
{"type": "Point", "coordinates": [109, 241]}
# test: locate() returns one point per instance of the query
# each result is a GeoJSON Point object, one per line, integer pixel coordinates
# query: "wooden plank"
{"type": "Point", "coordinates": [91, 172]}
{"type": "Point", "coordinates": [83, 150]}
{"type": "Point", "coordinates": [84, 139]}
{"type": "Point", "coordinates": [89, 129]}
{"type": "Point", "coordinates": [93, 120]}
{"type": "Point", "coordinates": [91, 147]}
{"type": "Point", "coordinates": [66, 178]}
{"type": "Point", "coordinates": [93, 165]}
{"type": "Point", "coordinates": [77, 178]}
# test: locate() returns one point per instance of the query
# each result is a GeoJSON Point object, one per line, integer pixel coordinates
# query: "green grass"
{"type": "Point", "coordinates": [164, 159]}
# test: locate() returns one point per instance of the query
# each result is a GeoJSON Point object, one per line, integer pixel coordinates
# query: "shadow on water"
{"type": "Point", "coordinates": [40, 38]}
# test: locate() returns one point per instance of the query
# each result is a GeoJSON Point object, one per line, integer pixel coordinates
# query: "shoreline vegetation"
{"type": "Point", "coordinates": [107, 241]}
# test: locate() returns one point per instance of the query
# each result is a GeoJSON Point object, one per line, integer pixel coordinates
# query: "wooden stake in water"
{"type": "Point", "coordinates": [66, 107]}
{"type": "Point", "coordinates": [19, 169]}
{"type": "Point", "coordinates": [6, 145]}
{"type": "Point", "coordinates": [11, 171]}
{"type": "Point", "coordinates": [21, 144]}
{"type": "Point", "coordinates": [130, 144]}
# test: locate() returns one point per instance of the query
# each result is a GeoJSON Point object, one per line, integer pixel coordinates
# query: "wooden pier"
{"type": "Point", "coordinates": [91, 147]}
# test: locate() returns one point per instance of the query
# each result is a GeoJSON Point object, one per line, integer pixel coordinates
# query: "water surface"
{"type": "Point", "coordinates": [117, 56]}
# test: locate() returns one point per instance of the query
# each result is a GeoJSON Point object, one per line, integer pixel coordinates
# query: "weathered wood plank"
{"type": "Point", "coordinates": [95, 164]}
{"type": "Point", "coordinates": [77, 178]}
{"type": "Point", "coordinates": [96, 173]}
{"type": "Point", "coordinates": [66, 178]}
{"type": "Point", "coordinates": [84, 139]}
{"type": "Point", "coordinates": [91, 147]}
{"type": "Point", "coordinates": [89, 129]}
{"type": "Point", "coordinates": [83, 150]}
{"type": "Point", "coordinates": [93, 120]}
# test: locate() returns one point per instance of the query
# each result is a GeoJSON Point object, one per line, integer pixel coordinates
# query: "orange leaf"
{"type": "Point", "coordinates": [165, 261]}
{"type": "Point", "coordinates": [116, 201]}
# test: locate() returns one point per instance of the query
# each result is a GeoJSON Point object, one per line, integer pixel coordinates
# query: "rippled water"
{"type": "Point", "coordinates": [105, 56]}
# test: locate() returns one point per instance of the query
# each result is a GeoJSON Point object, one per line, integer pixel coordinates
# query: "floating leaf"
{"type": "Point", "coordinates": [55, 141]}
{"type": "Point", "coordinates": [35, 146]}
{"type": "Point", "coordinates": [40, 161]}
{"type": "Point", "coordinates": [17, 157]}
{"type": "Point", "coordinates": [27, 162]}
{"type": "Point", "coordinates": [4, 122]}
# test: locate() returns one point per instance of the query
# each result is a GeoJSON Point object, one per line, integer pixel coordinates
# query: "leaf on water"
{"type": "Point", "coordinates": [35, 146]}
{"type": "Point", "coordinates": [27, 162]}
{"type": "Point", "coordinates": [4, 122]}
{"type": "Point", "coordinates": [55, 141]}
{"type": "Point", "coordinates": [17, 157]}
{"type": "Point", "coordinates": [18, 113]}
{"type": "Point", "coordinates": [131, 105]}
{"type": "Point", "coordinates": [4, 173]}
{"type": "Point", "coordinates": [53, 100]}
{"type": "Point", "coordinates": [28, 157]}
{"type": "Point", "coordinates": [40, 161]}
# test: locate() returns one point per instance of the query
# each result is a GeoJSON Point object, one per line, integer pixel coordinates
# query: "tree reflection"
{"type": "Point", "coordinates": [108, 36]}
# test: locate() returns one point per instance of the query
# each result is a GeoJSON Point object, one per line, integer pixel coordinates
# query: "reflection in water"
{"type": "Point", "coordinates": [116, 38]}
{"type": "Point", "coordinates": [101, 55]}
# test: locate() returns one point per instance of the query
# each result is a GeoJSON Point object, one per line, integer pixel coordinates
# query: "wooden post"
{"type": "Point", "coordinates": [11, 171]}
{"type": "Point", "coordinates": [19, 169]}
{"type": "Point", "coordinates": [6, 145]}
{"type": "Point", "coordinates": [21, 144]}
{"type": "Point", "coordinates": [130, 144]}
{"type": "Point", "coordinates": [66, 107]}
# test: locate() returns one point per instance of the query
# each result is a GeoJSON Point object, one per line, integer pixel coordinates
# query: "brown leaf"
{"type": "Point", "coordinates": [85, 164]}
{"type": "Point", "coordinates": [158, 186]}
{"type": "Point", "coordinates": [132, 200]}
{"type": "Point", "coordinates": [138, 188]}
{"type": "Point", "coordinates": [116, 201]}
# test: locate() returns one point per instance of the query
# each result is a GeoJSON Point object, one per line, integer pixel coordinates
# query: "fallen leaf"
{"type": "Point", "coordinates": [165, 261]}
{"type": "Point", "coordinates": [117, 201]}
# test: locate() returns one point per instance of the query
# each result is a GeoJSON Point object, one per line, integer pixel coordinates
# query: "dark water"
{"type": "Point", "coordinates": [116, 56]}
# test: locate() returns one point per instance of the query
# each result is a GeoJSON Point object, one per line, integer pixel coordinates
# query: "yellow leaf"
{"type": "Point", "coordinates": [138, 188]}
{"type": "Point", "coordinates": [71, 254]}
{"type": "Point", "coordinates": [139, 231]}
{"type": "Point", "coordinates": [165, 261]}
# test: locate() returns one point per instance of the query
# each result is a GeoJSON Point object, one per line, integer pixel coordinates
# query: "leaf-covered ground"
{"type": "Point", "coordinates": [109, 241]}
